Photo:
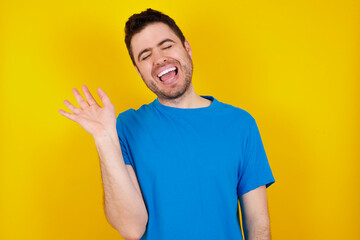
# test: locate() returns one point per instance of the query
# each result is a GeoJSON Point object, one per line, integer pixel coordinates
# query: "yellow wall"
{"type": "Point", "coordinates": [292, 64]}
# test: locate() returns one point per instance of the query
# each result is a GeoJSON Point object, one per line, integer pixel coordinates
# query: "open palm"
{"type": "Point", "coordinates": [90, 115]}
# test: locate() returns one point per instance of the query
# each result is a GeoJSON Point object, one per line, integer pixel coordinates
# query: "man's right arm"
{"type": "Point", "coordinates": [123, 201]}
{"type": "Point", "coordinates": [124, 205]}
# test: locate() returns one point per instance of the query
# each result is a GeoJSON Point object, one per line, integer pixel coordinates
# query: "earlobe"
{"type": "Point", "coordinates": [188, 48]}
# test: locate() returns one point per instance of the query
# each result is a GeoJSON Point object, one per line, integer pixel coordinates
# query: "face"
{"type": "Point", "coordinates": [162, 61]}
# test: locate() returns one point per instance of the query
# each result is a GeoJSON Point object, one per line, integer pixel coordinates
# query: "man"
{"type": "Point", "coordinates": [176, 168]}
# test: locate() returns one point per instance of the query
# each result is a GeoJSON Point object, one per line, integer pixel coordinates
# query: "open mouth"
{"type": "Point", "coordinates": [168, 74]}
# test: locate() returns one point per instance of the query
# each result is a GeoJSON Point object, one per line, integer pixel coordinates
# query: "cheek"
{"type": "Point", "coordinates": [145, 70]}
{"type": "Point", "coordinates": [183, 56]}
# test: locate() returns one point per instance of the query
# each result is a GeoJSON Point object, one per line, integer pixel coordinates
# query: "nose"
{"type": "Point", "coordinates": [159, 58]}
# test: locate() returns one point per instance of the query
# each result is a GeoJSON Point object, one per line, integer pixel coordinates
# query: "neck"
{"type": "Point", "coordinates": [188, 100]}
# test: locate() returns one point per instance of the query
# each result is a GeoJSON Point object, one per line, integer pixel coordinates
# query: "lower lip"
{"type": "Point", "coordinates": [171, 80]}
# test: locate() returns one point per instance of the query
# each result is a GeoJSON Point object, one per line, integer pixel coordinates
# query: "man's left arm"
{"type": "Point", "coordinates": [255, 214]}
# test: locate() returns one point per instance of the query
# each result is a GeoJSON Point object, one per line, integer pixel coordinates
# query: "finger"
{"type": "Point", "coordinates": [104, 98]}
{"type": "Point", "coordinates": [72, 107]}
{"type": "Point", "coordinates": [89, 98]}
{"type": "Point", "coordinates": [82, 103]}
{"type": "Point", "coordinates": [68, 115]}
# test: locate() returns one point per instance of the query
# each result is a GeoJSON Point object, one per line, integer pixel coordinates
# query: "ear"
{"type": "Point", "coordinates": [188, 48]}
{"type": "Point", "coordinates": [137, 70]}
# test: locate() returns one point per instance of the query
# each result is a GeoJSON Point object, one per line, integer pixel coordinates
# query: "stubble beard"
{"type": "Point", "coordinates": [178, 91]}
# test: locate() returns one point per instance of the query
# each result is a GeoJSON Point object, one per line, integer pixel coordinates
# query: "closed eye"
{"type": "Point", "coordinates": [167, 47]}
{"type": "Point", "coordinates": [144, 58]}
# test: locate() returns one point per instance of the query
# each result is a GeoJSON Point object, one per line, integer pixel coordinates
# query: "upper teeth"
{"type": "Point", "coordinates": [166, 71]}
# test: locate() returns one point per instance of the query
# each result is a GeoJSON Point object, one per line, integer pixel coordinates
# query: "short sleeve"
{"type": "Point", "coordinates": [254, 170]}
{"type": "Point", "coordinates": [122, 140]}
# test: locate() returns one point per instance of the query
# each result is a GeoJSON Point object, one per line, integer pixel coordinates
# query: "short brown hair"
{"type": "Point", "coordinates": [138, 22]}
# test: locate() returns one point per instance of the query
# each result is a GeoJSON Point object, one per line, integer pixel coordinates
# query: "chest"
{"type": "Point", "coordinates": [185, 150]}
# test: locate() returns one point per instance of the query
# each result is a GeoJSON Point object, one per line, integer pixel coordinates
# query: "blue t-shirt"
{"type": "Point", "coordinates": [192, 165]}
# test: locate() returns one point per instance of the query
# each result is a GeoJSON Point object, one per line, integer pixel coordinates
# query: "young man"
{"type": "Point", "coordinates": [176, 168]}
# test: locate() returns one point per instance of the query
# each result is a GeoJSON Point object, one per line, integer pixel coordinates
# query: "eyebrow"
{"type": "Point", "coordinates": [159, 44]}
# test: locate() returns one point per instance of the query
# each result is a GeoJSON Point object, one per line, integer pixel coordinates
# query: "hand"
{"type": "Point", "coordinates": [94, 119]}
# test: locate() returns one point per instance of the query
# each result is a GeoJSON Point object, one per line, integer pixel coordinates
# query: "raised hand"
{"type": "Point", "coordinates": [95, 119]}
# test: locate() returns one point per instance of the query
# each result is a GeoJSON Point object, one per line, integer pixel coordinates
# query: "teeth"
{"type": "Point", "coordinates": [166, 71]}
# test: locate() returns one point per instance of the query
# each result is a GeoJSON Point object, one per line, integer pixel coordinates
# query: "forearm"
{"type": "Point", "coordinates": [124, 205]}
{"type": "Point", "coordinates": [259, 230]}
{"type": "Point", "coordinates": [255, 214]}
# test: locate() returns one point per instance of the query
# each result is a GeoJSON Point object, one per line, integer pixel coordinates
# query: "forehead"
{"type": "Point", "coordinates": [151, 35]}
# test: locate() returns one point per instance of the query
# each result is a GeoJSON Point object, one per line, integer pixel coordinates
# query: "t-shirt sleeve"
{"type": "Point", "coordinates": [122, 140]}
{"type": "Point", "coordinates": [254, 170]}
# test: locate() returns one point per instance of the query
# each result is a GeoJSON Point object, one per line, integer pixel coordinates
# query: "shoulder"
{"type": "Point", "coordinates": [234, 112]}
{"type": "Point", "coordinates": [131, 113]}
{"type": "Point", "coordinates": [125, 120]}
{"type": "Point", "coordinates": [132, 118]}
{"type": "Point", "coordinates": [126, 114]}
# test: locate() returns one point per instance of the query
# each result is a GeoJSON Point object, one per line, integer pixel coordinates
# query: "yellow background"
{"type": "Point", "coordinates": [293, 65]}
